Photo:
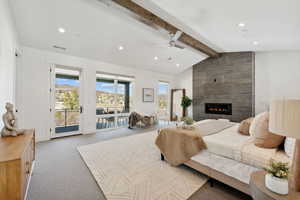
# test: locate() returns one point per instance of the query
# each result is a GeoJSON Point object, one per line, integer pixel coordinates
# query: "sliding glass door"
{"type": "Point", "coordinates": [113, 101]}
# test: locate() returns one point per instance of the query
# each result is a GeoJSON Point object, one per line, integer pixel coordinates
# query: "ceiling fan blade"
{"type": "Point", "coordinates": [176, 36]}
{"type": "Point", "coordinates": [179, 46]}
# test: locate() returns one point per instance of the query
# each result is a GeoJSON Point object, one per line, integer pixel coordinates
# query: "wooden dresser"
{"type": "Point", "coordinates": [17, 156]}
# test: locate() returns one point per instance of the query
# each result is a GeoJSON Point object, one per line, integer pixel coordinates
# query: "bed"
{"type": "Point", "coordinates": [231, 158]}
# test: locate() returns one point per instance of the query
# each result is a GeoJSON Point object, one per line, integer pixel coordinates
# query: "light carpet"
{"type": "Point", "coordinates": [130, 168]}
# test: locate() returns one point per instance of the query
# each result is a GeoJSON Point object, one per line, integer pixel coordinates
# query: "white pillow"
{"type": "Point", "coordinates": [225, 120]}
{"type": "Point", "coordinates": [289, 146]}
{"type": "Point", "coordinates": [255, 123]}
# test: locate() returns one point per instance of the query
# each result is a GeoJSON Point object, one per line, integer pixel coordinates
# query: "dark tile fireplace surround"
{"type": "Point", "coordinates": [223, 87]}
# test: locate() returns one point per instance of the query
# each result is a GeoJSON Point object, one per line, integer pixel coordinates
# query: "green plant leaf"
{"type": "Point", "coordinates": [186, 101]}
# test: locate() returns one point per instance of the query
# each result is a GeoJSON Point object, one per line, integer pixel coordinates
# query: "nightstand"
{"type": "Point", "coordinates": [260, 192]}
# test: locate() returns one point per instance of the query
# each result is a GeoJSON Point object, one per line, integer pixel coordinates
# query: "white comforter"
{"type": "Point", "coordinates": [236, 155]}
{"type": "Point", "coordinates": [227, 143]}
{"type": "Point", "coordinates": [230, 144]}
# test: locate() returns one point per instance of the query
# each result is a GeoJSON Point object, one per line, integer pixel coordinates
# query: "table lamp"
{"type": "Point", "coordinates": [285, 120]}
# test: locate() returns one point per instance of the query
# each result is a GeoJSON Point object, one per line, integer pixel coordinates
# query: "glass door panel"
{"type": "Point", "coordinates": [67, 102]}
{"type": "Point", "coordinates": [163, 100]}
{"type": "Point", "coordinates": [105, 97]}
{"type": "Point", "coordinates": [122, 120]}
{"type": "Point", "coordinates": [123, 97]}
{"type": "Point", "coordinates": [105, 103]}
{"type": "Point", "coordinates": [114, 102]}
{"type": "Point", "coordinates": [104, 122]}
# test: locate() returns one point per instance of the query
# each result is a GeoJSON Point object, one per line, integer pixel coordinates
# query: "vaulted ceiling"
{"type": "Point", "coordinates": [273, 25]}
{"type": "Point", "coordinates": [95, 30]}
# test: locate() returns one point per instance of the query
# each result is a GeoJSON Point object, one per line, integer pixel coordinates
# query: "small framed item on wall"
{"type": "Point", "coordinates": [148, 94]}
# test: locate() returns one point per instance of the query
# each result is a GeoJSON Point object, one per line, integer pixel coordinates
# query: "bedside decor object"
{"type": "Point", "coordinates": [148, 95]}
{"type": "Point", "coordinates": [276, 179]}
{"type": "Point", "coordinates": [10, 122]}
{"type": "Point", "coordinates": [260, 192]}
{"type": "Point", "coordinates": [285, 120]}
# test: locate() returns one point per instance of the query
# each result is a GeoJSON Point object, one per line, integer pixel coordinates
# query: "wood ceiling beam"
{"type": "Point", "coordinates": [149, 16]}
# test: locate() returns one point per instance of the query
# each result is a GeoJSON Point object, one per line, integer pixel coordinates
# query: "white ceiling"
{"type": "Point", "coordinates": [94, 30]}
{"type": "Point", "coordinates": [275, 24]}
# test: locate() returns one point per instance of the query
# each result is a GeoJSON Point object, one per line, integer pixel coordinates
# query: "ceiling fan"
{"type": "Point", "coordinates": [173, 41]}
{"type": "Point", "coordinates": [174, 38]}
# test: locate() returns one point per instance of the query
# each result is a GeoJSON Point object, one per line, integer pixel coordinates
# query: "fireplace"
{"type": "Point", "coordinates": [218, 108]}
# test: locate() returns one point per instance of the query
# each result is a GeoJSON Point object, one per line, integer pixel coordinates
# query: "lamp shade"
{"type": "Point", "coordinates": [285, 118]}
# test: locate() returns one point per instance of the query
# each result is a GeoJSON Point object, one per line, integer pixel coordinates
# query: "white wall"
{"type": "Point", "coordinates": [277, 76]}
{"type": "Point", "coordinates": [8, 44]}
{"type": "Point", "coordinates": [185, 81]}
{"type": "Point", "coordinates": [34, 84]}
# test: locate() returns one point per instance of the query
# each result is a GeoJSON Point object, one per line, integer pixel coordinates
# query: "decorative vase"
{"type": "Point", "coordinates": [277, 185]}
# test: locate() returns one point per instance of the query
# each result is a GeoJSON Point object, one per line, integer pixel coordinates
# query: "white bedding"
{"type": "Point", "coordinates": [230, 144]}
{"type": "Point", "coordinates": [236, 155]}
{"type": "Point", "coordinates": [227, 143]}
{"type": "Point", "coordinates": [229, 167]}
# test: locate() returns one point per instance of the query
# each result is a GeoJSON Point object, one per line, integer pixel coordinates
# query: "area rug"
{"type": "Point", "coordinates": [130, 168]}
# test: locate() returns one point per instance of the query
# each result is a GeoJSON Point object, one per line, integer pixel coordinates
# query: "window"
{"type": "Point", "coordinates": [163, 96]}
{"type": "Point", "coordinates": [113, 100]}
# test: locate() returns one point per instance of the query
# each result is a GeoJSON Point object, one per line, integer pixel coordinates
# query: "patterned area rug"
{"type": "Point", "coordinates": [130, 168]}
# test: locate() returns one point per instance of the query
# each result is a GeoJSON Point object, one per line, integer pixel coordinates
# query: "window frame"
{"type": "Point", "coordinates": [116, 79]}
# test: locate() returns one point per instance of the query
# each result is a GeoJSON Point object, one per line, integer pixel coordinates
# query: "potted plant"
{"type": "Point", "coordinates": [276, 179]}
{"type": "Point", "coordinates": [185, 103]}
{"type": "Point", "coordinates": [187, 123]}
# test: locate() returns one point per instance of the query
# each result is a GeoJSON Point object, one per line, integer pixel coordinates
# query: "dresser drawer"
{"type": "Point", "coordinates": [27, 160]}
{"type": "Point", "coordinates": [16, 160]}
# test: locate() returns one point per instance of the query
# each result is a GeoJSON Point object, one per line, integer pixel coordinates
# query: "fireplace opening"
{"type": "Point", "coordinates": [218, 108]}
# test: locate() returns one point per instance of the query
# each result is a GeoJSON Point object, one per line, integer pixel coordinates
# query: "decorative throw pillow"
{"type": "Point", "coordinates": [263, 138]}
{"type": "Point", "coordinates": [289, 146]}
{"type": "Point", "coordinates": [245, 126]}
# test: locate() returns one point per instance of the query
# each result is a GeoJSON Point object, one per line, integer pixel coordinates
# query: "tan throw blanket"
{"type": "Point", "coordinates": [178, 145]}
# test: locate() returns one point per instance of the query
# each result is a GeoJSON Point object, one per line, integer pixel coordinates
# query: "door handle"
{"type": "Point", "coordinates": [81, 109]}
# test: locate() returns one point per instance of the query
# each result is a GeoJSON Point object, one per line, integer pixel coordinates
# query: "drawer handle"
{"type": "Point", "coordinates": [27, 163]}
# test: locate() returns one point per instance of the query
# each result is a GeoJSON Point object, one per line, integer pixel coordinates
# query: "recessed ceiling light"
{"type": "Point", "coordinates": [242, 25]}
{"type": "Point", "coordinates": [255, 43]}
{"type": "Point", "coordinates": [177, 65]}
{"type": "Point", "coordinates": [155, 58]}
{"type": "Point", "coordinates": [121, 48]}
{"type": "Point", "coordinates": [61, 30]}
